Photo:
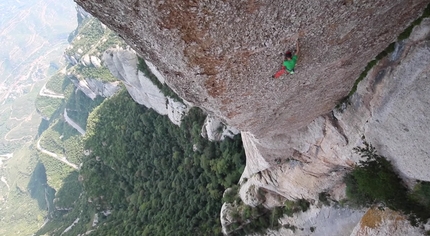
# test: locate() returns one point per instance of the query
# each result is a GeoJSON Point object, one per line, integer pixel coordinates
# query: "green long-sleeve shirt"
{"type": "Point", "coordinates": [290, 64]}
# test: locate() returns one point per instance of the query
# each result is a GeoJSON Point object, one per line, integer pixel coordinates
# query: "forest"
{"type": "Point", "coordinates": [156, 178]}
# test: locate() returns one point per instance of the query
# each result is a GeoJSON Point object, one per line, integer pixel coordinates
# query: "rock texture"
{"type": "Point", "coordinates": [123, 65]}
{"type": "Point", "coordinates": [321, 221]}
{"type": "Point", "coordinates": [215, 130]}
{"type": "Point", "coordinates": [94, 87]}
{"type": "Point", "coordinates": [385, 223]}
{"type": "Point", "coordinates": [221, 54]}
{"type": "Point", "coordinates": [390, 108]}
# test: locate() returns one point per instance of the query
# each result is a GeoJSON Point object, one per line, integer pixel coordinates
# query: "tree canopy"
{"type": "Point", "coordinates": [155, 177]}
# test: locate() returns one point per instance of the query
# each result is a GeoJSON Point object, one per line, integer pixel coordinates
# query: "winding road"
{"type": "Point", "coordinates": [54, 155]}
{"type": "Point", "coordinates": [23, 120]}
{"type": "Point", "coordinates": [48, 93]}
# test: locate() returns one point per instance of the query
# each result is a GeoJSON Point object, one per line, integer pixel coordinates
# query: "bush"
{"type": "Point", "coordinates": [323, 197]}
{"type": "Point", "coordinates": [230, 194]}
{"type": "Point", "coordinates": [375, 181]}
{"type": "Point", "coordinates": [291, 207]}
{"type": "Point", "coordinates": [421, 193]}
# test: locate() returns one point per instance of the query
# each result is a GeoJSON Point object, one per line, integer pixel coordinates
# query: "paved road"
{"type": "Point", "coordinates": [72, 123]}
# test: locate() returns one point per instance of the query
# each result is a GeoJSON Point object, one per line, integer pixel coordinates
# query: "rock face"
{"type": "Point", "coordinates": [221, 55]}
{"type": "Point", "coordinates": [123, 65]}
{"type": "Point", "coordinates": [94, 87]}
{"type": "Point", "coordinates": [384, 223]}
{"type": "Point", "coordinates": [399, 108]}
{"type": "Point", "coordinates": [72, 123]}
{"type": "Point", "coordinates": [331, 221]}
{"type": "Point", "coordinates": [215, 130]}
{"type": "Point", "coordinates": [390, 108]}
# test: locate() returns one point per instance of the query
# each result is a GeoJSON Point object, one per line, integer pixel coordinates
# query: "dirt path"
{"type": "Point", "coordinates": [24, 119]}
{"type": "Point", "coordinates": [3, 179]}
{"type": "Point", "coordinates": [54, 155]}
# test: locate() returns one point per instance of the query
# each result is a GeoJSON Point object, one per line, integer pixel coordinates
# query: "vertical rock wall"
{"type": "Point", "coordinates": [390, 108]}
{"type": "Point", "coordinates": [221, 55]}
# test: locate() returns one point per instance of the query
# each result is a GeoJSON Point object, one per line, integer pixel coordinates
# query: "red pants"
{"type": "Point", "coordinates": [279, 73]}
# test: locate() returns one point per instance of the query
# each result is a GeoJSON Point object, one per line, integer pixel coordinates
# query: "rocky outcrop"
{"type": "Point", "coordinates": [123, 65]}
{"type": "Point", "coordinates": [85, 60]}
{"type": "Point", "coordinates": [333, 221]}
{"type": "Point", "coordinates": [95, 61]}
{"type": "Point", "coordinates": [317, 159]}
{"type": "Point", "coordinates": [215, 130]}
{"type": "Point", "coordinates": [384, 222]}
{"type": "Point", "coordinates": [71, 59]}
{"type": "Point", "coordinates": [94, 87]}
{"type": "Point", "coordinates": [226, 218]}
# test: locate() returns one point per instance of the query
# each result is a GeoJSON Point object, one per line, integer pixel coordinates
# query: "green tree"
{"type": "Point", "coordinates": [375, 181]}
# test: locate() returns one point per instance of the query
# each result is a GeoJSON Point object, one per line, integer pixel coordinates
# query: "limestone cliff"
{"type": "Point", "coordinates": [87, 43]}
{"type": "Point", "coordinates": [93, 87]}
{"type": "Point", "coordinates": [221, 55]}
{"type": "Point", "coordinates": [381, 222]}
{"type": "Point", "coordinates": [123, 65]}
{"type": "Point", "coordinates": [390, 108]}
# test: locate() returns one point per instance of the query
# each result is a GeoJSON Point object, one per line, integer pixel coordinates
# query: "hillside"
{"type": "Point", "coordinates": [153, 177]}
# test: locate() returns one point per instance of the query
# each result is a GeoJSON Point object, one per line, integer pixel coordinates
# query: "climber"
{"type": "Point", "coordinates": [289, 63]}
